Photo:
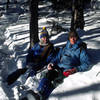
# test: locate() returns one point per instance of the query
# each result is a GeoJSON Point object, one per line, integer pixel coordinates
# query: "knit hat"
{"type": "Point", "coordinates": [73, 34]}
{"type": "Point", "coordinates": [43, 33]}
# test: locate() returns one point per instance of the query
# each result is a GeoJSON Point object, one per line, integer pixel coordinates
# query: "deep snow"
{"type": "Point", "coordinates": [14, 43]}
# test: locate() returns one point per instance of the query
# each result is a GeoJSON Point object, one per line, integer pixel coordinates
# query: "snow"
{"type": "Point", "coordinates": [14, 43]}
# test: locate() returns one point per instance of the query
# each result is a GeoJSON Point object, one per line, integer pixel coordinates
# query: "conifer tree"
{"type": "Point", "coordinates": [33, 22]}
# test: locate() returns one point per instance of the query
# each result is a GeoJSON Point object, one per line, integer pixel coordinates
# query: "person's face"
{"type": "Point", "coordinates": [73, 40]}
{"type": "Point", "coordinates": [44, 39]}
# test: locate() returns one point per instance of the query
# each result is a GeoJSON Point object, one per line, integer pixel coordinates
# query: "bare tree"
{"type": "Point", "coordinates": [33, 22]}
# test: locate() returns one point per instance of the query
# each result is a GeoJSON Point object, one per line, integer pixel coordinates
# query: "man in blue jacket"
{"type": "Point", "coordinates": [70, 59]}
{"type": "Point", "coordinates": [38, 56]}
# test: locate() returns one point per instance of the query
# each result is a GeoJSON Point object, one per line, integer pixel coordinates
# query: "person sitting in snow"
{"type": "Point", "coordinates": [38, 56]}
{"type": "Point", "coordinates": [71, 59]}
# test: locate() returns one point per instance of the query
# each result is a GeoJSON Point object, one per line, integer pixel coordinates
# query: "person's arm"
{"type": "Point", "coordinates": [84, 65]}
{"type": "Point", "coordinates": [84, 61]}
{"type": "Point", "coordinates": [57, 56]}
{"type": "Point", "coordinates": [30, 54]}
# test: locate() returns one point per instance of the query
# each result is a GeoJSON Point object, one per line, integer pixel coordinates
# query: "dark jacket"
{"type": "Point", "coordinates": [40, 55]}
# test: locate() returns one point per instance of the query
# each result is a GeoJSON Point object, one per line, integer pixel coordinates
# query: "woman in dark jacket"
{"type": "Point", "coordinates": [38, 56]}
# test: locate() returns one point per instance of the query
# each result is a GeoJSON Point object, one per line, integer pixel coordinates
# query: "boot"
{"type": "Point", "coordinates": [31, 95]}
{"type": "Point", "coordinates": [45, 88]}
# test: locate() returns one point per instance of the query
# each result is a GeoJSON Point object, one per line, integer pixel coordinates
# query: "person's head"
{"type": "Point", "coordinates": [73, 37]}
{"type": "Point", "coordinates": [43, 36]}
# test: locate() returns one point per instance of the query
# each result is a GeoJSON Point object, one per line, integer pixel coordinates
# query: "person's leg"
{"type": "Point", "coordinates": [45, 86]}
{"type": "Point", "coordinates": [36, 68]}
{"type": "Point", "coordinates": [15, 75]}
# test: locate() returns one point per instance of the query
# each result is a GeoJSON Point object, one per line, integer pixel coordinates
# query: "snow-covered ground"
{"type": "Point", "coordinates": [14, 43]}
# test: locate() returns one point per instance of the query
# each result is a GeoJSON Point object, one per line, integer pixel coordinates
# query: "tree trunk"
{"type": "Point", "coordinates": [72, 17]}
{"type": "Point", "coordinates": [7, 4]}
{"type": "Point", "coordinates": [33, 22]}
{"type": "Point", "coordinates": [77, 20]}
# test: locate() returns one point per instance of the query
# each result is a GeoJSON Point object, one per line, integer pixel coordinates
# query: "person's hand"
{"type": "Point", "coordinates": [69, 72]}
{"type": "Point", "coordinates": [50, 65]}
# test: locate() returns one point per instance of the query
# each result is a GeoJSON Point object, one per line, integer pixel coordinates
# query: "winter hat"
{"type": "Point", "coordinates": [43, 33]}
{"type": "Point", "coordinates": [73, 34]}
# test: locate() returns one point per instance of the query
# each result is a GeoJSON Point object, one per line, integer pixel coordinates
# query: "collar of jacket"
{"type": "Point", "coordinates": [43, 44]}
{"type": "Point", "coordinates": [75, 46]}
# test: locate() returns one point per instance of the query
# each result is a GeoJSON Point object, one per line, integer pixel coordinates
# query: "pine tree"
{"type": "Point", "coordinates": [77, 20]}
{"type": "Point", "coordinates": [33, 22]}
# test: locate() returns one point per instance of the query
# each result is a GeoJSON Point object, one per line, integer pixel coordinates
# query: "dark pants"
{"type": "Point", "coordinates": [15, 75]}
{"type": "Point", "coordinates": [50, 81]}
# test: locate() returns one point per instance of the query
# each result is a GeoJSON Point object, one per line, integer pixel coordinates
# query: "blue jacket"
{"type": "Point", "coordinates": [72, 57]}
{"type": "Point", "coordinates": [40, 55]}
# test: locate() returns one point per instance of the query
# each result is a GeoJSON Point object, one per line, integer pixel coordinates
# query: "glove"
{"type": "Point", "coordinates": [69, 72]}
